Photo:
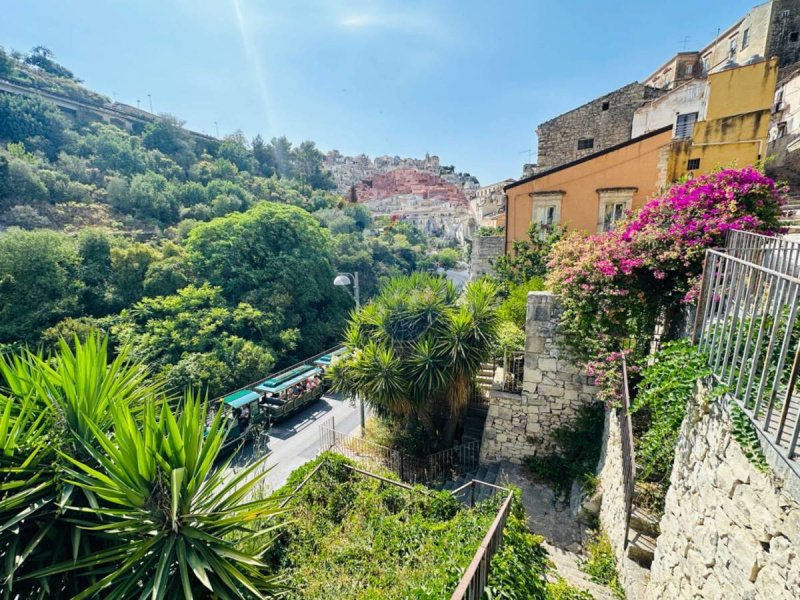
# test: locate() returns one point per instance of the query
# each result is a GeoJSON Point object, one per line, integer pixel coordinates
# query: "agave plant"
{"type": "Point", "coordinates": [415, 350]}
{"type": "Point", "coordinates": [174, 523]}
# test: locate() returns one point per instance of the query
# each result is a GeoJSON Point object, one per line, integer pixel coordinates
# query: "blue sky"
{"type": "Point", "coordinates": [465, 79]}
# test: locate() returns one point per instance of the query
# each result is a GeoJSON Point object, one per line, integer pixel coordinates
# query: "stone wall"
{"type": "Point", "coordinates": [485, 250]}
{"type": "Point", "coordinates": [729, 530]}
{"type": "Point", "coordinates": [606, 120]}
{"type": "Point", "coordinates": [518, 425]}
{"type": "Point", "coordinates": [612, 508]}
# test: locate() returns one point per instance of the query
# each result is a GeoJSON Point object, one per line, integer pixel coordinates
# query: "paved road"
{"type": "Point", "coordinates": [295, 441]}
{"type": "Point", "coordinates": [459, 278]}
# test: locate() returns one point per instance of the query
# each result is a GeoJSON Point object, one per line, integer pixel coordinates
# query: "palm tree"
{"type": "Point", "coordinates": [415, 350]}
{"type": "Point", "coordinates": [106, 489]}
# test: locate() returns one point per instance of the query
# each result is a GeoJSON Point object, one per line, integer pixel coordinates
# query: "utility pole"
{"type": "Point", "coordinates": [216, 128]}
{"type": "Point", "coordinates": [150, 98]}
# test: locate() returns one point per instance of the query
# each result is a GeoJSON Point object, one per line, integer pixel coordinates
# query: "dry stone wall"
{"type": "Point", "coordinates": [729, 531]}
{"type": "Point", "coordinates": [518, 425]}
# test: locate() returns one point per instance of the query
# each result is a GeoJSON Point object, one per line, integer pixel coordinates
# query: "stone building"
{"type": "Point", "coordinates": [488, 202]}
{"type": "Point", "coordinates": [595, 126]}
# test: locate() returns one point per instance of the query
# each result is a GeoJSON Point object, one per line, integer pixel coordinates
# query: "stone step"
{"type": "Point", "coordinates": [644, 522]}
{"type": "Point", "coordinates": [641, 548]}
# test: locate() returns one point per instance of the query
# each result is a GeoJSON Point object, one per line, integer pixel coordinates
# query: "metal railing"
{"type": "Point", "coordinates": [474, 580]}
{"type": "Point", "coordinates": [626, 438]}
{"type": "Point", "coordinates": [775, 253]}
{"type": "Point", "coordinates": [509, 372]}
{"type": "Point", "coordinates": [747, 324]}
{"type": "Point", "coordinates": [446, 464]}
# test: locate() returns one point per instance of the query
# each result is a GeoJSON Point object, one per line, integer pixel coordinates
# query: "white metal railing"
{"type": "Point", "coordinates": [771, 252]}
{"type": "Point", "coordinates": [747, 324]}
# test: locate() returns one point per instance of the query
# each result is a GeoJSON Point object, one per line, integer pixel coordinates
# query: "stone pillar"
{"type": "Point", "coordinates": [485, 250]}
{"type": "Point", "coordinates": [554, 388]}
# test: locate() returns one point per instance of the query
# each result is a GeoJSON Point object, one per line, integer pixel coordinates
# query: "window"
{"type": "Point", "coordinates": [693, 164]}
{"type": "Point", "coordinates": [613, 204]}
{"type": "Point", "coordinates": [732, 48]}
{"type": "Point", "coordinates": [746, 38]}
{"type": "Point", "coordinates": [684, 126]}
{"type": "Point", "coordinates": [781, 129]}
{"type": "Point", "coordinates": [605, 105]}
{"type": "Point", "coordinates": [793, 37]}
{"type": "Point", "coordinates": [585, 143]}
{"type": "Point", "coordinates": [688, 69]}
{"type": "Point", "coordinates": [546, 210]}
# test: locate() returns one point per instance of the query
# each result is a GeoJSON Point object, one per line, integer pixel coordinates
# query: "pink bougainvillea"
{"type": "Point", "coordinates": [616, 285]}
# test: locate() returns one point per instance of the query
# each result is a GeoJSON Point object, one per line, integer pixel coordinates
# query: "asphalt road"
{"type": "Point", "coordinates": [296, 440]}
{"type": "Point", "coordinates": [459, 278]}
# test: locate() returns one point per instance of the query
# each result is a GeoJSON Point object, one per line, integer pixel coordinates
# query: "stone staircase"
{"type": "Point", "coordinates": [642, 534]}
{"type": "Point", "coordinates": [485, 377]}
{"type": "Point", "coordinates": [487, 473]}
{"type": "Point", "coordinates": [474, 420]}
{"type": "Point", "coordinates": [791, 213]}
{"type": "Point", "coordinates": [567, 565]}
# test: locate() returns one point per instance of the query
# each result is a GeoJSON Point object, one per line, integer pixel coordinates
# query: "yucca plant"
{"type": "Point", "coordinates": [173, 521]}
{"type": "Point", "coordinates": [415, 350]}
{"type": "Point", "coordinates": [108, 490]}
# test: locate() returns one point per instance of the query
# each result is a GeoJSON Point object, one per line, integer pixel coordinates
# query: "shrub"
{"type": "Point", "coordinates": [351, 536]}
{"type": "Point", "coordinates": [616, 285]}
{"type": "Point", "coordinates": [601, 564]}
{"type": "Point", "coordinates": [576, 453]}
{"type": "Point", "coordinates": [667, 386]}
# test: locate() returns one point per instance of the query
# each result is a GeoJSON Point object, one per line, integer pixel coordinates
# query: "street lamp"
{"type": "Point", "coordinates": [345, 280]}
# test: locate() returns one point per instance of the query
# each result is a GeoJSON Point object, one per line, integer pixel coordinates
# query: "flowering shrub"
{"type": "Point", "coordinates": [617, 284]}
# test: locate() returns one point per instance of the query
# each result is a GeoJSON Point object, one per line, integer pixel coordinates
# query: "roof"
{"type": "Point", "coordinates": [240, 398]}
{"type": "Point", "coordinates": [271, 386]}
{"type": "Point", "coordinates": [608, 150]}
{"type": "Point", "coordinates": [327, 358]}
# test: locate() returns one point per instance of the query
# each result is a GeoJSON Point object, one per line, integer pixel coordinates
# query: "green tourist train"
{"type": "Point", "coordinates": [255, 407]}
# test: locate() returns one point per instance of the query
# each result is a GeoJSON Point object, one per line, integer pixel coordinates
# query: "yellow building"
{"type": "Point", "coordinates": [735, 127]}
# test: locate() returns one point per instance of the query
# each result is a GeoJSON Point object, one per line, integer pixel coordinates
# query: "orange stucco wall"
{"type": "Point", "coordinates": [641, 165]}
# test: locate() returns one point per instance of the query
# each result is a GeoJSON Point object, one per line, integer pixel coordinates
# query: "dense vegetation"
{"type": "Point", "coordinates": [414, 353]}
{"type": "Point", "coordinates": [108, 488]}
{"type": "Point", "coordinates": [213, 259]}
{"type": "Point", "coordinates": [350, 536]}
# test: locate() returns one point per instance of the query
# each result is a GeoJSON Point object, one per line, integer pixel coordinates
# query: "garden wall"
{"type": "Point", "coordinates": [729, 530]}
{"type": "Point", "coordinates": [518, 425]}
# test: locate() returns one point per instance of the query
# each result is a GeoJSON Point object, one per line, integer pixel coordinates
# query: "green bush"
{"type": "Point", "coordinates": [350, 536]}
{"type": "Point", "coordinates": [666, 387]}
{"type": "Point", "coordinates": [601, 564]}
{"type": "Point", "coordinates": [514, 307]}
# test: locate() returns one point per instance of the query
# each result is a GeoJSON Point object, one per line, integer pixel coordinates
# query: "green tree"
{"type": "Point", "coordinates": [307, 165]}
{"type": "Point", "coordinates": [277, 259]}
{"type": "Point", "coordinates": [94, 251]}
{"type": "Point", "coordinates": [6, 63]}
{"type": "Point", "coordinates": [264, 155]}
{"type": "Point", "coordinates": [39, 283]}
{"type": "Point", "coordinates": [167, 135]}
{"type": "Point", "coordinates": [415, 351]}
{"type": "Point", "coordinates": [234, 148]}
{"type": "Point", "coordinates": [528, 257]}
{"type": "Point", "coordinates": [34, 121]}
{"type": "Point", "coordinates": [195, 339]}
{"type": "Point", "coordinates": [282, 151]}
{"type": "Point", "coordinates": [44, 58]}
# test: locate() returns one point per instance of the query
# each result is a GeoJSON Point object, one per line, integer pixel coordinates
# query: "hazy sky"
{"type": "Point", "coordinates": [465, 79]}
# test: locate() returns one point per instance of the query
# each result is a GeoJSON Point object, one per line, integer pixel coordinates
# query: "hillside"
{"type": "Point", "coordinates": [187, 248]}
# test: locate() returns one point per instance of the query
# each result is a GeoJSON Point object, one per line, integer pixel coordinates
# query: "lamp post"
{"type": "Point", "coordinates": [345, 280]}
